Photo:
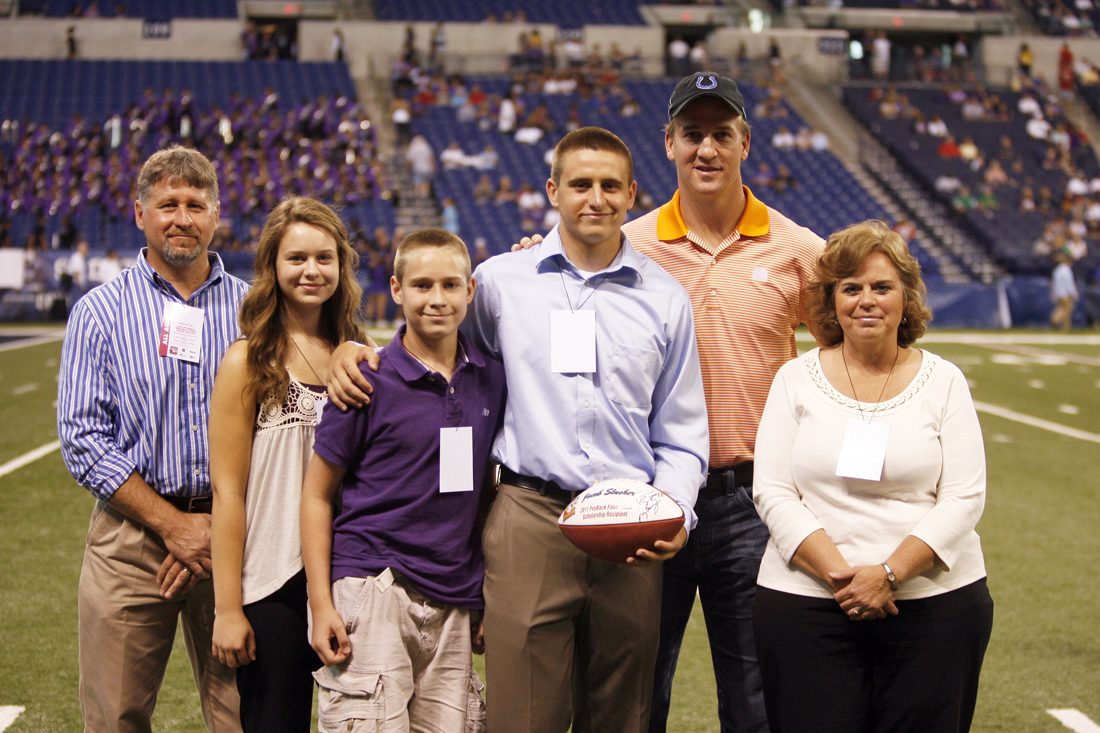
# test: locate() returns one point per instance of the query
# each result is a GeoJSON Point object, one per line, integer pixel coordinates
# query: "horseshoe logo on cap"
{"type": "Point", "coordinates": [706, 82]}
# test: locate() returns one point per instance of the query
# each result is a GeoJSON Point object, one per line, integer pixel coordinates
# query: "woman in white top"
{"type": "Point", "coordinates": [265, 407]}
{"type": "Point", "coordinates": [872, 612]}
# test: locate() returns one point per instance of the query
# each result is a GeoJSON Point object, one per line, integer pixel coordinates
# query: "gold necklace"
{"type": "Point", "coordinates": [308, 364]}
{"type": "Point", "coordinates": [859, 406]}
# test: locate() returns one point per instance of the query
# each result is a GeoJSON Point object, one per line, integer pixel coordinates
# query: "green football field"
{"type": "Point", "coordinates": [1038, 396]}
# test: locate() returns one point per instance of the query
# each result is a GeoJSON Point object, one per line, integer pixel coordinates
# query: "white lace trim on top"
{"type": "Point", "coordinates": [301, 407]}
{"type": "Point", "coordinates": [812, 362]}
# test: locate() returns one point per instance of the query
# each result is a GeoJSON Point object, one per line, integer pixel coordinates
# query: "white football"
{"type": "Point", "coordinates": [613, 519]}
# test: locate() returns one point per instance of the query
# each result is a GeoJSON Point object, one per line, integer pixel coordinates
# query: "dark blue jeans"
{"type": "Point", "coordinates": [721, 561]}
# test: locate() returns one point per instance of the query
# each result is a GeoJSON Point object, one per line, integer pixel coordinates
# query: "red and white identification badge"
{"type": "Point", "coordinates": [181, 332]}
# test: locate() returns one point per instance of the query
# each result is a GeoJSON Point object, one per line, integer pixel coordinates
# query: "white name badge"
{"type": "Point", "coordinates": [181, 332]}
{"type": "Point", "coordinates": [456, 460]}
{"type": "Point", "coordinates": [573, 342]}
{"type": "Point", "coordinates": [864, 450]}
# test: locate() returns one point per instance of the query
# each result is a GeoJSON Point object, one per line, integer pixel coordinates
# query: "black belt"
{"type": "Point", "coordinates": [726, 480]}
{"type": "Point", "coordinates": [192, 504]}
{"type": "Point", "coordinates": [546, 488]}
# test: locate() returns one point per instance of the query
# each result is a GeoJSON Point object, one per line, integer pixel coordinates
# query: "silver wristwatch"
{"type": "Point", "coordinates": [890, 577]}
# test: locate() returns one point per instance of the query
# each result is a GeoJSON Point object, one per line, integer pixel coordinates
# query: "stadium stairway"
{"type": "Point", "coordinates": [958, 257]}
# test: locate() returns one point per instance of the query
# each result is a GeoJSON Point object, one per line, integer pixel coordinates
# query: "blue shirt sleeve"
{"type": "Point", "coordinates": [86, 408]}
{"type": "Point", "coordinates": [480, 325]}
{"type": "Point", "coordinates": [679, 431]}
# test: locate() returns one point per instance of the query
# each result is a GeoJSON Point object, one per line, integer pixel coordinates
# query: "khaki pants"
{"type": "Point", "coordinates": [1063, 313]}
{"type": "Point", "coordinates": [411, 666]}
{"type": "Point", "coordinates": [569, 639]}
{"type": "Point", "coordinates": [127, 630]}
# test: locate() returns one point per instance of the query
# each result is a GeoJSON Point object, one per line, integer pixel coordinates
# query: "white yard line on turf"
{"type": "Point", "coordinates": [23, 460]}
{"type": "Point", "coordinates": [1043, 353]}
{"type": "Point", "coordinates": [1075, 720]}
{"type": "Point", "coordinates": [1036, 422]}
{"type": "Point", "coordinates": [8, 714]}
{"type": "Point", "coordinates": [33, 341]}
{"type": "Point", "coordinates": [984, 337]}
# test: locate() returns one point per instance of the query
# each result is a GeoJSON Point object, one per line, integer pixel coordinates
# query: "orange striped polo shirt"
{"type": "Point", "coordinates": [748, 296]}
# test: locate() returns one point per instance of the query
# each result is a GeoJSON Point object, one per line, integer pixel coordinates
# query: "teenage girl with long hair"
{"type": "Point", "coordinates": [265, 406]}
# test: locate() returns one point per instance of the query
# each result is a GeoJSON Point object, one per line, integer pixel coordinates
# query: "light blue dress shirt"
{"type": "Point", "coordinates": [120, 405]}
{"type": "Point", "coordinates": [641, 415]}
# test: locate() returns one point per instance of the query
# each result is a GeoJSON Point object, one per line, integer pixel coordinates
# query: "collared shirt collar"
{"type": "Point", "coordinates": [671, 225]}
{"type": "Point", "coordinates": [412, 370]}
{"type": "Point", "coordinates": [147, 271]}
{"type": "Point", "coordinates": [627, 258]}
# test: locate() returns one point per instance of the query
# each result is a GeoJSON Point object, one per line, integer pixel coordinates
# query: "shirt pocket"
{"type": "Point", "coordinates": [631, 375]}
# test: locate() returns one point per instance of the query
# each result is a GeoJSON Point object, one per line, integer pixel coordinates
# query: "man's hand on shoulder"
{"type": "Point", "coordinates": [347, 387]}
{"type": "Point", "coordinates": [527, 242]}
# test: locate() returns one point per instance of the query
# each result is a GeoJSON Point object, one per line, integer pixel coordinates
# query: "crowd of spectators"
{"type": "Point", "coordinates": [1004, 178]}
{"type": "Point", "coordinates": [509, 113]}
{"type": "Point", "coordinates": [1065, 17]}
{"type": "Point", "coordinates": [263, 150]}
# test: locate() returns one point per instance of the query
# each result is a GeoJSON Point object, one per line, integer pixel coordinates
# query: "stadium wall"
{"type": "Point", "coordinates": [822, 55]}
{"type": "Point", "coordinates": [190, 39]}
{"type": "Point", "coordinates": [472, 48]}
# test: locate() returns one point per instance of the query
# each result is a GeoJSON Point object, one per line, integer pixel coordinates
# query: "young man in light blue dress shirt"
{"type": "Point", "coordinates": [569, 639]}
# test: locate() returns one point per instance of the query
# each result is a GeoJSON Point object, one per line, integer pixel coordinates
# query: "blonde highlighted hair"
{"type": "Point", "coordinates": [844, 255]}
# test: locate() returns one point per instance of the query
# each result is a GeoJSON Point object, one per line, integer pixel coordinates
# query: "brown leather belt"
{"type": "Point", "coordinates": [546, 488]}
{"type": "Point", "coordinates": [192, 504]}
{"type": "Point", "coordinates": [726, 480]}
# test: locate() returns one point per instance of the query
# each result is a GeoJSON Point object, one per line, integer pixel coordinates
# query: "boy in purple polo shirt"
{"type": "Point", "coordinates": [393, 581]}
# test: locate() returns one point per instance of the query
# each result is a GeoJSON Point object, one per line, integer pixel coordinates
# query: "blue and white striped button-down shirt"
{"type": "Point", "coordinates": [120, 405]}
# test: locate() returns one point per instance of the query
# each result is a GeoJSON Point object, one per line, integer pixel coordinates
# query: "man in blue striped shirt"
{"type": "Point", "coordinates": [137, 368]}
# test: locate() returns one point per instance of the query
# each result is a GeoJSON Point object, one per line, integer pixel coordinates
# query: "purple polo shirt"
{"type": "Point", "coordinates": [392, 514]}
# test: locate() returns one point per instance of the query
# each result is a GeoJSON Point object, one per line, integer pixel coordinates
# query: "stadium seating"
{"type": "Point", "coordinates": [564, 13]}
{"type": "Point", "coordinates": [51, 92]}
{"type": "Point", "coordinates": [57, 163]}
{"type": "Point", "coordinates": [1008, 233]}
{"type": "Point", "coordinates": [153, 10]}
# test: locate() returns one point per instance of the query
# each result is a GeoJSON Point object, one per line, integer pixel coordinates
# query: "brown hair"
{"type": "Point", "coordinates": [844, 255]}
{"type": "Point", "coordinates": [591, 138]}
{"type": "Point", "coordinates": [262, 308]}
{"type": "Point", "coordinates": [178, 164]}
{"type": "Point", "coordinates": [424, 238]}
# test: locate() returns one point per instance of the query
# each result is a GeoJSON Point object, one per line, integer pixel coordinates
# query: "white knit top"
{"type": "Point", "coordinates": [282, 445]}
{"type": "Point", "coordinates": [932, 486]}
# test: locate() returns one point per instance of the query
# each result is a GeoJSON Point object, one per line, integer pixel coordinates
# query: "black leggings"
{"type": "Point", "coordinates": [277, 689]}
{"type": "Point", "coordinates": [916, 672]}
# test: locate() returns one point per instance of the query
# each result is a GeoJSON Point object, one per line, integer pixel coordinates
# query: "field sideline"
{"type": "Point", "coordinates": [1038, 396]}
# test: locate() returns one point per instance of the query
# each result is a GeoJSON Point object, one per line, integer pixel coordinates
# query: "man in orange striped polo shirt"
{"type": "Point", "coordinates": [745, 266]}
